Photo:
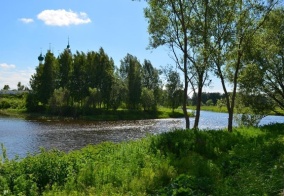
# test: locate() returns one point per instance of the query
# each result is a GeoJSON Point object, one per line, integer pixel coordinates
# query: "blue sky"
{"type": "Point", "coordinates": [29, 27]}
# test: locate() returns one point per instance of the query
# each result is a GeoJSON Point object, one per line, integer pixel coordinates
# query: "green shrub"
{"type": "Point", "coordinates": [4, 104]}
{"type": "Point", "coordinates": [249, 161]}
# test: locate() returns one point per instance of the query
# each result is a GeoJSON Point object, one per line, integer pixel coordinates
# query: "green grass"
{"type": "Point", "coordinates": [16, 102]}
{"type": "Point", "coordinates": [122, 114]}
{"type": "Point", "coordinates": [210, 108]}
{"type": "Point", "coordinates": [249, 161]}
{"type": "Point", "coordinates": [102, 114]}
{"type": "Point", "coordinates": [224, 109]}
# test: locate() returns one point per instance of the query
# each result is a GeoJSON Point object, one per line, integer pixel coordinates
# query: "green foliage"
{"type": "Point", "coordinates": [82, 83]}
{"type": "Point", "coordinates": [47, 78]}
{"type": "Point", "coordinates": [148, 99]}
{"type": "Point", "coordinates": [209, 102]}
{"type": "Point", "coordinates": [251, 108]}
{"type": "Point", "coordinates": [221, 103]}
{"type": "Point", "coordinates": [58, 103]}
{"type": "Point", "coordinates": [117, 94]}
{"type": "Point", "coordinates": [12, 101]}
{"type": "Point", "coordinates": [263, 74]}
{"type": "Point", "coordinates": [65, 65]}
{"type": "Point", "coordinates": [6, 87]}
{"type": "Point", "coordinates": [130, 71]}
{"type": "Point", "coordinates": [180, 162]}
{"type": "Point", "coordinates": [186, 185]}
{"type": "Point", "coordinates": [207, 96]}
{"type": "Point", "coordinates": [32, 103]}
{"type": "Point", "coordinates": [174, 90]}
{"type": "Point", "coordinates": [78, 83]}
{"type": "Point", "coordinates": [151, 80]}
{"type": "Point", "coordinates": [20, 86]}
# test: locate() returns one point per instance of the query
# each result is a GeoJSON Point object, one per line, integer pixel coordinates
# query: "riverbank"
{"type": "Point", "coordinates": [210, 108]}
{"type": "Point", "coordinates": [246, 162]}
{"type": "Point", "coordinates": [223, 109]}
{"type": "Point", "coordinates": [99, 115]}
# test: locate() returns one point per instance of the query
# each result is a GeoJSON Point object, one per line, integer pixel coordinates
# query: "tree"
{"type": "Point", "coordinates": [118, 92]}
{"type": "Point", "coordinates": [105, 76]}
{"type": "Point", "coordinates": [207, 96]}
{"type": "Point", "coordinates": [169, 22]}
{"type": "Point", "coordinates": [184, 26]}
{"type": "Point", "coordinates": [202, 23]}
{"type": "Point", "coordinates": [209, 102]}
{"type": "Point", "coordinates": [264, 74]}
{"type": "Point", "coordinates": [235, 26]}
{"type": "Point", "coordinates": [148, 99]}
{"type": "Point", "coordinates": [59, 101]}
{"type": "Point", "coordinates": [220, 103]}
{"type": "Point", "coordinates": [151, 80]}
{"type": "Point", "coordinates": [100, 74]}
{"type": "Point", "coordinates": [94, 98]}
{"type": "Point", "coordinates": [20, 86]}
{"type": "Point", "coordinates": [177, 99]}
{"type": "Point", "coordinates": [130, 72]}
{"type": "Point", "coordinates": [251, 108]}
{"type": "Point", "coordinates": [43, 81]}
{"type": "Point", "coordinates": [6, 87]}
{"type": "Point", "coordinates": [65, 64]}
{"type": "Point", "coordinates": [173, 88]}
{"type": "Point", "coordinates": [78, 84]}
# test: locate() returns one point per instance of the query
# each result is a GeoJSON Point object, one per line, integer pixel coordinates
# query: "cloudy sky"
{"type": "Point", "coordinates": [31, 27]}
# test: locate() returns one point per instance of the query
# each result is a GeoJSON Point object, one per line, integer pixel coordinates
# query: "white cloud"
{"type": "Point", "coordinates": [62, 17]}
{"type": "Point", "coordinates": [26, 20]}
{"type": "Point", "coordinates": [12, 77]}
{"type": "Point", "coordinates": [7, 66]}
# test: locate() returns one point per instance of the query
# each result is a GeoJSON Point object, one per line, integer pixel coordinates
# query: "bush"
{"type": "Point", "coordinates": [4, 104]}
{"type": "Point", "coordinates": [181, 162]}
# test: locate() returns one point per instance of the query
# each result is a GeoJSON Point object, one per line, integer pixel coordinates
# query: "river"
{"type": "Point", "coordinates": [21, 136]}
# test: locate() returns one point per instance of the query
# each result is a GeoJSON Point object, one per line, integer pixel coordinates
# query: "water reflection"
{"type": "Point", "coordinates": [22, 136]}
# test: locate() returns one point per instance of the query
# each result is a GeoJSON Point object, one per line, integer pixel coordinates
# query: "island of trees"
{"type": "Point", "coordinates": [89, 83]}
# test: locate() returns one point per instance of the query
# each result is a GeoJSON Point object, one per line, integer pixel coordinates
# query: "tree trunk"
{"type": "Point", "coordinates": [187, 122]}
{"type": "Point", "coordinates": [234, 93]}
{"type": "Point", "coordinates": [230, 120]}
{"type": "Point", "coordinates": [198, 108]}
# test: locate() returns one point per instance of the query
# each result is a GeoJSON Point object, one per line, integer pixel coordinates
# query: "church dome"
{"type": "Point", "coordinates": [40, 57]}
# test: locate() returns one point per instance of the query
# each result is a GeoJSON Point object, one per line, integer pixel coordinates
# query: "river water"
{"type": "Point", "coordinates": [21, 136]}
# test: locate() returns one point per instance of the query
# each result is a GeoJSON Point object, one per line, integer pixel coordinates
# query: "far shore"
{"type": "Point", "coordinates": [100, 115]}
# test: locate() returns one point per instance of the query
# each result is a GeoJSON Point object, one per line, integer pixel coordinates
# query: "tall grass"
{"type": "Point", "coordinates": [182, 162]}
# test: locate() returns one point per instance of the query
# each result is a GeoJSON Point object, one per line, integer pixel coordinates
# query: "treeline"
{"type": "Point", "coordinates": [71, 84]}
{"type": "Point", "coordinates": [209, 99]}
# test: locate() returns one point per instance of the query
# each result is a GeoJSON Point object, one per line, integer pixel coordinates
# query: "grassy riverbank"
{"type": "Point", "coordinates": [119, 114]}
{"type": "Point", "coordinates": [15, 106]}
{"type": "Point", "coordinates": [246, 162]}
{"type": "Point", "coordinates": [224, 109]}
{"type": "Point", "coordinates": [210, 108]}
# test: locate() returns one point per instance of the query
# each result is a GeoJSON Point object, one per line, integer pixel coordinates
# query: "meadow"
{"type": "Point", "coordinates": [249, 161]}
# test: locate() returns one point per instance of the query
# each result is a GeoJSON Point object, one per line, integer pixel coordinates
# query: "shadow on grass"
{"type": "Point", "coordinates": [246, 162]}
